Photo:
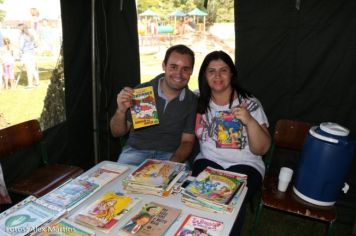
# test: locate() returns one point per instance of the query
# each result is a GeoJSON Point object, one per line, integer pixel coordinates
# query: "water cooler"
{"type": "Point", "coordinates": [325, 162]}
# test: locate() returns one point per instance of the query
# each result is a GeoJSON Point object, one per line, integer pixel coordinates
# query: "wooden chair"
{"type": "Point", "coordinates": [289, 135]}
{"type": "Point", "coordinates": [47, 176]}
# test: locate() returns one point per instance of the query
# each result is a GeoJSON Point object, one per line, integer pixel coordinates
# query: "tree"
{"type": "Point", "coordinates": [218, 10]}
{"type": "Point", "coordinates": [2, 12]}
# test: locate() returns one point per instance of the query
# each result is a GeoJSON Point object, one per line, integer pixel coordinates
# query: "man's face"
{"type": "Point", "coordinates": [178, 70]}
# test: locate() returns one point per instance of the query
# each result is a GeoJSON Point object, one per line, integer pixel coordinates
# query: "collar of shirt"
{"type": "Point", "coordinates": [161, 94]}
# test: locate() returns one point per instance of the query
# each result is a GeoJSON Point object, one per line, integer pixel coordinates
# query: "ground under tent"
{"type": "Point", "coordinates": [297, 57]}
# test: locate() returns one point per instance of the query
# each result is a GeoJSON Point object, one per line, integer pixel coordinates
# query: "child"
{"type": "Point", "coordinates": [8, 62]}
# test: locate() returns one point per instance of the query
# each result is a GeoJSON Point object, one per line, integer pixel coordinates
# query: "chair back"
{"type": "Point", "coordinates": [291, 134]}
{"type": "Point", "coordinates": [19, 136]}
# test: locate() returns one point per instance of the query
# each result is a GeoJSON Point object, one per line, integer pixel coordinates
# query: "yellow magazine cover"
{"type": "Point", "coordinates": [144, 112]}
{"type": "Point", "coordinates": [102, 212]}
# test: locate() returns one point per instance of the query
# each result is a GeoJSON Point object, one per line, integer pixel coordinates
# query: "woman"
{"type": "Point", "coordinates": [28, 47]}
{"type": "Point", "coordinates": [222, 101]}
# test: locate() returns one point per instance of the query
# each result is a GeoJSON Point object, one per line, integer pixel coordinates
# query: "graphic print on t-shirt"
{"type": "Point", "coordinates": [223, 128]}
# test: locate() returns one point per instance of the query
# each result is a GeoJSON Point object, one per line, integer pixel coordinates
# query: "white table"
{"type": "Point", "coordinates": [172, 200]}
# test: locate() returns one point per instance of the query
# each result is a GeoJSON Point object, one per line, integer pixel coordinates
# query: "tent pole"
{"type": "Point", "coordinates": [93, 70]}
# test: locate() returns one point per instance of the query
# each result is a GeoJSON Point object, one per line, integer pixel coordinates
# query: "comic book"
{"type": "Point", "coordinates": [144, 111]}
{"type": "Point", "coordinates": [228, 131]}
{"type": "Point", "coordinates": [215, 186]}
{"type": "Point", "coordinates": [107, 211]}
{"type": "Point", "coordinates": [153, 219]}
{"type": "Point", "coordinates": [196, 225]}
{"type": "Point", "coordinates": [105, 174]}
{"type": "Point", "coordinates": [64, 227]}
{"type": "Point", "coordinates": [157, 172]}
{"type": "Point", "coordinates": [27, 216]}
{"type": "Point", "coordinates": [71, 193]}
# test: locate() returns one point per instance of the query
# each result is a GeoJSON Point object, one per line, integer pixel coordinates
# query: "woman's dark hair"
{"type": "Point", "coordinates": [180, 48]}
{"type": "Point", "coordinates": [205, 90]}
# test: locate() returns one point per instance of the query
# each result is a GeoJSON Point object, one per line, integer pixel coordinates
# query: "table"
{"type": "Point", "coordinates": [172, 200]}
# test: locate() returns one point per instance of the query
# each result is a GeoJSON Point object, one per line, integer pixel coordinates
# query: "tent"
{"type": "Point", "coordinates": [175, 14]}
{"type": "Point", "coordinates": [148, 12]}
{"type": "Point", "coordinates": [298, 62]}
{"type": "Point", "coordinates": [197, 12]}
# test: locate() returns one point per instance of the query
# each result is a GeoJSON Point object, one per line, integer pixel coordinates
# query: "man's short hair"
{"type": "Point", "coordinates": [180, 48]}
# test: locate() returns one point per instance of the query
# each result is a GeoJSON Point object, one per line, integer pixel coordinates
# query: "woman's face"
{"type": "Point", "coordinates": [218, 76]}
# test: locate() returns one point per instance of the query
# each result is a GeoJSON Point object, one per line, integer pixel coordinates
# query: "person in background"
{"type": "Point", "coordinates": [8, 61]}
{"type": "Point", "coordinates": [28, 55]}
{"type": "Point", "coordinates": [35, 18]}
{"type": "Point", "coordinates": [2, 83]}
{"type": "Point", "coordinates": [220, 91]}
{"type": "Point", "coordinates": [173, 138]}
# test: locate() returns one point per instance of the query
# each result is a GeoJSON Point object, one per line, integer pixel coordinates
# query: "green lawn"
{"type": "Point", "coordinates": [19, 104]}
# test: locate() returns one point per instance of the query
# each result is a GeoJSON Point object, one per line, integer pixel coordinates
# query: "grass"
{"type": "Point", "coordinates": [19, 104]}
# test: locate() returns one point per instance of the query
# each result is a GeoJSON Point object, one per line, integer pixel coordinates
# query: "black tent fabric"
{"type": "Point", "coordinates": [299, 63]}
{"type": "Point", "coordinates": [117, 64]}
{"type": "Point", "coordinates": [299, 59]}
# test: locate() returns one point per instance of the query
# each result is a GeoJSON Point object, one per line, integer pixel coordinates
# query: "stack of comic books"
{"type": "Point", "coordinates": [105, 174]}
{"type": "Point", "coordinates": [106, 212]}
{"type": "Point", "coordinates": [71, 193]}
{"type": "Point", "coordinates": [214, 190]}
{"type": "Point", "coordinates": [155, 177]}
{"type": "Point", "coordinates": [197, 225]}
{"type": "Point", "coordinates": [28, 216]}
{"type": "Point", "coordinates": [153, 219]}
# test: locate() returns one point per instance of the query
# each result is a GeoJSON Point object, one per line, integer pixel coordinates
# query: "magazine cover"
{"type": "Point", "coordinates": [144, 112]}
{"type": "Point", "coordinates": [105, 174]}
{"type": "Point", "coordinates": [153, 219]}
{"type": "Point", "coordinates": [215, 185]}
{"type": "Point", "coordinates": [26, 217]}
{"type": "Point", "coordinates": [106, 212]}
{"type": "Point", "coordinates": [157, 172]}
{"type": "Point", "coordinates": [71, 193]}
{"type": "Point", "coordinates": [228, 131]}
{"type": "Point", "coordinates": [64, 227]}
{"type": "Point", "coordinates": [196, 225]}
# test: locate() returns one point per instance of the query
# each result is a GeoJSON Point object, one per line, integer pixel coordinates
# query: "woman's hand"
{"type": "Point", "coordinates": [242, 114]}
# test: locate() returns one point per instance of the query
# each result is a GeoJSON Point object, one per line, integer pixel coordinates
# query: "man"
{"type": "Point", "coordinates": [173, 138]}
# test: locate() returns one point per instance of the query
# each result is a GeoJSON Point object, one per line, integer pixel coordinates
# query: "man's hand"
{"type": "Point", "coordinates": [124, 99]}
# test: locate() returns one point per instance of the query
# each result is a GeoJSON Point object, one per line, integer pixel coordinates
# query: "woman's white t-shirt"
{"type": "Point", "coordinates": [211, 136]}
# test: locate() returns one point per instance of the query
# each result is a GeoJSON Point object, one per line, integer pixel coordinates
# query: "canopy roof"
{"type": "Point", "coordinates": [177, 13]}
{"type": "Point", "coordinates": [197, 12]}
{"type": "Point", "coordinates": [148, 12]}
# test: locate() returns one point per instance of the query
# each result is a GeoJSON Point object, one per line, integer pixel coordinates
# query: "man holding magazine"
{"type": "Point", "coordinates": [173, 137]}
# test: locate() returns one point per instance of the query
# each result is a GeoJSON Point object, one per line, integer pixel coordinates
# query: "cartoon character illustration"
{"type": "Point", "coordinates": [137, 222]}
{"type": "Point", "coordinates": [223, 135]}
{"type": "Point", "coordinates": [105, 209]}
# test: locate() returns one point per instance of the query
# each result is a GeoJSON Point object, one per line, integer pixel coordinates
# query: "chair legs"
{"type": "Point", "coordinates": [330, 228]}
{"type": "Point", "coordinates": [257, 219]}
